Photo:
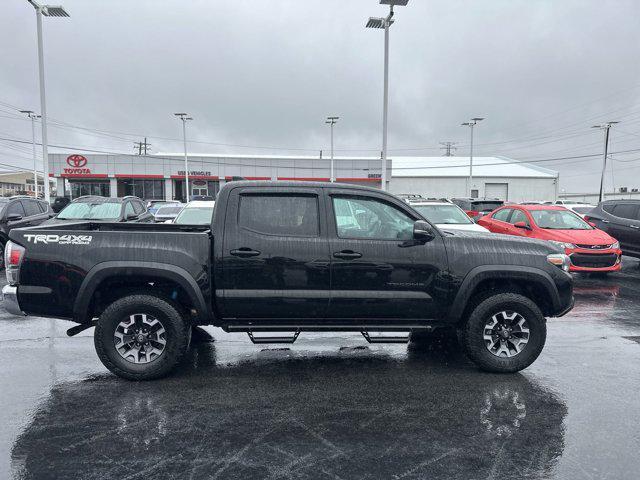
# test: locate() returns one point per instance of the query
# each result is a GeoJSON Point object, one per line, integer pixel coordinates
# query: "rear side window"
{"type": "Point", "coordinates": [502, 215]}
{"type": "Point", "coordinates": [31, 207]}
{"type": "Point", "coordinates": [138, 207]}
{"type": "Point", "coordinates": [15, 208]}
{"type": "Point", "coordinates": [284, 215]}
{"type": "Point", "coordinates": [625, 210]}
{"type": "Point", "coordinates": [43, 206]}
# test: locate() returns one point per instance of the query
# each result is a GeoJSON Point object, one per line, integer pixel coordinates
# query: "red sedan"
{"type": "Point", "coordinates": [590, 249]}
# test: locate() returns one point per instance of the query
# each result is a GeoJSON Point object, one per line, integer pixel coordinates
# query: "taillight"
{"type": "Point", "coordinates": [13, 255]}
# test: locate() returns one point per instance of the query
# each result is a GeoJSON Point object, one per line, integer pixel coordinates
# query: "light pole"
{"type": "Point", "coordinates": [471, 124]}
{"type": "Point", "coordinates": [377, 22]}
{"type": "Point", "coordinates": [332, 121]}
{"type": "Point", "coordinates": [33, 117]}
{"type": "Point", "coordinates": [605, 127]}
{"type": "Point", "coordinates": [47, 11]}
{"type": "Point", "coordinates": [184, 117]}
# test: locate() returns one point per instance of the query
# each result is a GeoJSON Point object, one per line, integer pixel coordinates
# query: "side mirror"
{"type": "Point", "coordinates": [131, 216]}
{"type": "Point", "coordinates": [522, 225]}
{"type": "Point", "coordinates": [592, 224]}
{"type": "Point", "coordinates": [14, 217]}
{"type": "Point", "coordinates": [422, 231]}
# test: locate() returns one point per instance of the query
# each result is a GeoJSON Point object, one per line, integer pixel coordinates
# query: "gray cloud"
{"type": "Point", "coordinates": [266, 73]}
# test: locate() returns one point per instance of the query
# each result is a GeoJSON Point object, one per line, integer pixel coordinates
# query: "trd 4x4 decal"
{"type": "Point", "coordinates": [59, 239]}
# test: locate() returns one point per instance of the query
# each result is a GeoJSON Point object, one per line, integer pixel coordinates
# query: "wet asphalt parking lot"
{"type": "Point", "coordinates": [332, 406]}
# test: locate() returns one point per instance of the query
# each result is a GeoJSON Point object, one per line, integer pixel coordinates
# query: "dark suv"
{"type": "Point", "coordinates": [20, 211]}
{"type": "Point", "coordinates": [104, 209]}
{"type": "Point", "coordinates": [621, 220]}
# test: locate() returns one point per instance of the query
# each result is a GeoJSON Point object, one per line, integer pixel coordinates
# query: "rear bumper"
{"type": "Point", "coordinates": [10, 300]}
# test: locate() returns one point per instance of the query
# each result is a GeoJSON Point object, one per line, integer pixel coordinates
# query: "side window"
{"type": "Point", "coordinates": [518, 216]}
{"type": "Point", "coordinates": [15, 208]}
{"type": "Point", "coordinates": [502, 215]}
{"type": "Point", "coordinates": [138, 207]}
{"type": "Point", "coordinates": [625, 210]}
{"type": "Point", "coordinates": [128, 210]}
{"type": "Point", "coordinates": [31, 207]}
{"type": "Point", "coordinates": [370, 218]}
{"type": "Point", "coordinates": [608, 207]}
{"type": "Point", "coordinates": [284, 215]}
{"type": "Point", "coordinates": [43, 206]}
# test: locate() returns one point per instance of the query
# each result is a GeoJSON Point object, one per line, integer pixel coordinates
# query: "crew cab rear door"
{"type": "Point", "coordinates": [275, 254]}
{"type": "Point", "coordinates": [377, 270]}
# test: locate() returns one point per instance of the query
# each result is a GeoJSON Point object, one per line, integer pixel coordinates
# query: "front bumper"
{"type": "Point", "coordinates": [10, 300]}
{"type": "Point", "coordinates": [594, 261]}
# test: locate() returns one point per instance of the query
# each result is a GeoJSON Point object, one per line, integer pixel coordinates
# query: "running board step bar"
{"type": "Point", "coordinates": [384, 338]}
{"type": "Point", "coordinates": [261, 340]}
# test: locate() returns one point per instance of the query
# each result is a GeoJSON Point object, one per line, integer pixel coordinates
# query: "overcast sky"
{"type": "Point", "coordinates": [265, 73]}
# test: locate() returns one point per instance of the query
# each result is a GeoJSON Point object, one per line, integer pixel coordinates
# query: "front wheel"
{"type": "Point", "coordinates": [504, 333]}
{"type": "Point", "coordinates": [141, 337]}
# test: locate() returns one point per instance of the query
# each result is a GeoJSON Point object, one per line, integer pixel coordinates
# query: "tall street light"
{"type": "Point", "coordinates": [184, 117]}
{"type": "Point", "coordinates": [47, 11]}
{"type": "Point", "coordinates": [471, 124]}
{"type": "Point", "coordinates": [605, 127]}
{"type": "Point", "coordinates": [332, 121]}
{"type": "Point", "coordinates": [377, 22]}
{"type": "Point", "coordinates": [33, 117]}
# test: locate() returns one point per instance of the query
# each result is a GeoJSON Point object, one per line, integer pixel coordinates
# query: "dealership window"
{"type": "Point", "coordinates": [80, 189]}
{"type": "Point", "coordinates": [145, 189]}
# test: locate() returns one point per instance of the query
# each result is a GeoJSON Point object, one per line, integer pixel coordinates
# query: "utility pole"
{"type": "Point", "coordinates": [141, 146]}
{"type": "Point", "coordinates": [385, 23]}
{"type": "Point", "coordinates": [33, 117]}
{"type": "Point", "coordinates": [605, 126]}
{"type": "Point", "coordinates": [471, 124]}
{"type": "Point", "coordinates": [47, 11]}
{"type": "Point", "coordinates": [449, 148]}
{"type": "Point", "coordinates": [332, 121]}
{"type": "Point", "coordinates": [184, 117]}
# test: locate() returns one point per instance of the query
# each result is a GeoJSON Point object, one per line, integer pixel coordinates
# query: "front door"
{"type": "Point", "coordinates": [275, 255]}
{"type": "Point", "coordinates": [377, 270]}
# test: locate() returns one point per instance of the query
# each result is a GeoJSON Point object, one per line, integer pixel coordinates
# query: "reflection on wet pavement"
{"type": "Point", "coordinates": [315, 416]}
{"type": "Point", "coordinates": [331, 406]}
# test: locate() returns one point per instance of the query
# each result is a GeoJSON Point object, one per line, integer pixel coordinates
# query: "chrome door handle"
{"type": "Point", "coordinates": [634, 226]}
{"type": "Point", "coordinates": [244, 252]}
{"type": "Point", "coordinates": [604, 221]}
{"type": "Point", "coordinates": [347, 254]}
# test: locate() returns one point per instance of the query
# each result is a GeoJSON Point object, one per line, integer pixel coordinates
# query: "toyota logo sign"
{"type": "Point", "coordinates": [76, 161]}
{"type": "Point", "coordinates": [77, 165]}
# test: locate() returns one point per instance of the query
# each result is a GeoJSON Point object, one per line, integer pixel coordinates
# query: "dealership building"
{"type": "Point", "coordinates": [162, 176]}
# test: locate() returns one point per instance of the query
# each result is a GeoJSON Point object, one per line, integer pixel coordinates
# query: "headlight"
{"type": "Point", "coordinates": [563, 244]}
{"type": "Point", "coordinates": [559, 260]}
{"type": "Point", "coordinates": [615, 246]}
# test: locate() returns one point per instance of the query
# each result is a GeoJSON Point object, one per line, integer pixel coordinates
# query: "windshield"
{"type": "Point", "coordinates": [443, 214]}
{"type": "Point", "coordinates": [168, 210]}
{"type": "Point", "coordinates": [93, 211]}
{"type": "Point", "coordinates": [195, 216]}
{"type": "Point", "coordinates": [559, 220]}
{"type": "Point", "coordinates": [582, 209]}
{"type": "Point", "coordinates": [485, 206]}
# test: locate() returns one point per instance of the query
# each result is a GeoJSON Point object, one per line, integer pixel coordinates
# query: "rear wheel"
{"type": "Point", "coordinates": [504, 333]}
{"type": "Point", "coordinates": [141, 337]}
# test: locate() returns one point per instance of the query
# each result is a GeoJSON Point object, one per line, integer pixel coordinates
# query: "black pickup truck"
{"type": "Point", "coordinates": [283, 258]}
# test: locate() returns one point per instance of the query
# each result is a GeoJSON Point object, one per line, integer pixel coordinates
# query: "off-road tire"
{"type": "Point", "coordinates": [178, 335]}
{"type": "Point", "coordinates": [472, 331]}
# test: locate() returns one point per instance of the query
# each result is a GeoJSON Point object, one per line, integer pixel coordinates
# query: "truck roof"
{"type": "Point", "coordinates": [295, 184]}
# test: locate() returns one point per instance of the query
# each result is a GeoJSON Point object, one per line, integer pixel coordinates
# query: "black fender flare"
{"type": "Point", "coordinates": [103, 270]}
{"type": "Point", "coordinates": [501, 272]}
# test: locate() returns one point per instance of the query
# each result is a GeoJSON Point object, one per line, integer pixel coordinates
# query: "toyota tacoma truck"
{"type": "Point", "coordinates": [281, 258]}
